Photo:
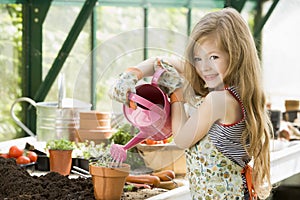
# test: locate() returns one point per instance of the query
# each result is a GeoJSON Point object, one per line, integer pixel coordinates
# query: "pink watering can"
{"type": "Point", "coordinates": [151, 116]}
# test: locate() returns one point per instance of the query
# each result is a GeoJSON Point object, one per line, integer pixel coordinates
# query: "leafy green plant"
{"type": "Point", "coordinates": [97, 154]}
{"type": "Point", "coordinates": [104, 161]}
{"type": "Point", "coordinates": [89, 150]}
{"type": "Point", "coordinates": [60, 144]}
{"type": "Point", "coordinates": [124, 133]}
{"type": "Point", "coordinates": [129, 188]}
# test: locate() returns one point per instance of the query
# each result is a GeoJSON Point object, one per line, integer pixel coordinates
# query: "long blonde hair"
{"type": "Point", "coordinates": [244, 71]}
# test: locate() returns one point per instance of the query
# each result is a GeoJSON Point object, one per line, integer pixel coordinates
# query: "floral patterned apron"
{"type": "Point", "coordinates": [213, 176]}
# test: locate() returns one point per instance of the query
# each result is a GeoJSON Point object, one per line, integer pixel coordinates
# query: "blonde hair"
{"type": "Point", "coordinates": [244, 71]}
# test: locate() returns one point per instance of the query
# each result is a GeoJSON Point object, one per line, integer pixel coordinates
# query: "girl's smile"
{"type": "Point", "coordinates": [210, 77]}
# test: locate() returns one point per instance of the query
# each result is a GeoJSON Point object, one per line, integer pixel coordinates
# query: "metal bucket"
{"type": "Point", "coordinates": [53, 122]}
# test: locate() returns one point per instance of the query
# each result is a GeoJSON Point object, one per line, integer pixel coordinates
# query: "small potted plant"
{"type": "Point", "coordinates": [60, 153]}
{"type": "Point", "coordinates": [108, 177]}
{"type": "Point", "coordinates": [86, 152]}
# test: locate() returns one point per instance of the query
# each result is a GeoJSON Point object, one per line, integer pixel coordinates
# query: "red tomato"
{"type": "Point", "coordinates": [150, 142]}
{"type": "Point", "coordinates": [23, 160]}
{"type": "Point", "coordinates": [4, 155]}
{"type": "Point", "coordinates": [32, 156]}
{"type": "Point", "coordinates": [15, 152]}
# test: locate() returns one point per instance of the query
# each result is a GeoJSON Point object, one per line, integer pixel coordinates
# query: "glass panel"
{"type": "Point", "coordinates": [10, 63]}
{"type": "Point", "coordinates": [76, 69]}
{"type": "Point", "coordinates": [281, 53]}
{"type": "Point", "coordinates": [120, 45]}
{"type": "Point", "coordinates": [167, 31]}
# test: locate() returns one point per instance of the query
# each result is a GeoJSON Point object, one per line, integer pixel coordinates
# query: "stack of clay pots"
{"type": "Point", "coordinates": [94, 126]}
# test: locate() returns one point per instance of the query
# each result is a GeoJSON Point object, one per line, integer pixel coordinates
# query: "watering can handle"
{"type": "Point", "coordinates": [156, 76]}
{"type": "Point", "coordinates": [16, 119]}
{"type": "Point", "coordinates": [154, 81]}
{"type": "Point", "coordinates": [140, 100]}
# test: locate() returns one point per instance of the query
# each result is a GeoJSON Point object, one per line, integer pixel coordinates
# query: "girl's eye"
{"type": "Point", "coordinates": [197, 59]}
{"type": "Point", "coordinates": [213, 57]}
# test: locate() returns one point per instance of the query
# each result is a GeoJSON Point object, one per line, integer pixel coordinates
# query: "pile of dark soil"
{"type": "Point", "coordinates": [17, 183]}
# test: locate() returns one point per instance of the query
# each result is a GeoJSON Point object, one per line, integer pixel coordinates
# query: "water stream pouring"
{"type": "Point", "coordinates": [151, 116]}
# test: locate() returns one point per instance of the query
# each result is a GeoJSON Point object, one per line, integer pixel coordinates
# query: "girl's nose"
{"type": "Point", "coordinates": [206, 65]}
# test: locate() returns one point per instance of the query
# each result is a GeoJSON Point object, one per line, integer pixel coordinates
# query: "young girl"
{"type": "Point", "coordinates": [231, 126]}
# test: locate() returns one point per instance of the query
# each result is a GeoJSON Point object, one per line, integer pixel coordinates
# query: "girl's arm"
{"type": "Point", "coordinates": [168, 82]}
{"type": "Point", "coordinates": [147, 65]}
{"type": "Point", "coordinates": [188, 131]}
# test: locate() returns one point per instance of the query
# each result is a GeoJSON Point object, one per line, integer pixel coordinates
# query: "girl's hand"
{"type": "Point", "coordinates": [169, 80]}
{"type": "Point", "coordinates": [123, 85]}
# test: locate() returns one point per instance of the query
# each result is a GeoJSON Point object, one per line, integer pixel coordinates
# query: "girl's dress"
{"type": "Point", "coordinates": [214, 164]}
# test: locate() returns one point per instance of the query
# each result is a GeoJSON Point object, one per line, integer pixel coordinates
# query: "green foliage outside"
{"type": "Point", "coordinates": [10, 65]}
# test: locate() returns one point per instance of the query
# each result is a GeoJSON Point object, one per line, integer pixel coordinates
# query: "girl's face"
{"type": "Point", "coordinates": [211, 62]}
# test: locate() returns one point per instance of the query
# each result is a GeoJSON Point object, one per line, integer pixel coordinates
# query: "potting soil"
{"type": "Point", "coordinates": [17, 184]}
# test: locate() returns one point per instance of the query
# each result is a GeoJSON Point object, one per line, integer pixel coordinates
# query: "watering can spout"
{"type": "Point", "coordinates": [135, 140]}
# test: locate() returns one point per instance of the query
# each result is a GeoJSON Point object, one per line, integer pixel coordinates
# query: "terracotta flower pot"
{"type": "Point", "coordinates": [109, 182]}
{"type": "Point", "coordinates": [61, 161]}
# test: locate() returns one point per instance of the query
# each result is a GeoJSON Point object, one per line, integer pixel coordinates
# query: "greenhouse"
{"type": "Point", "coordinates": [74, 71]}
